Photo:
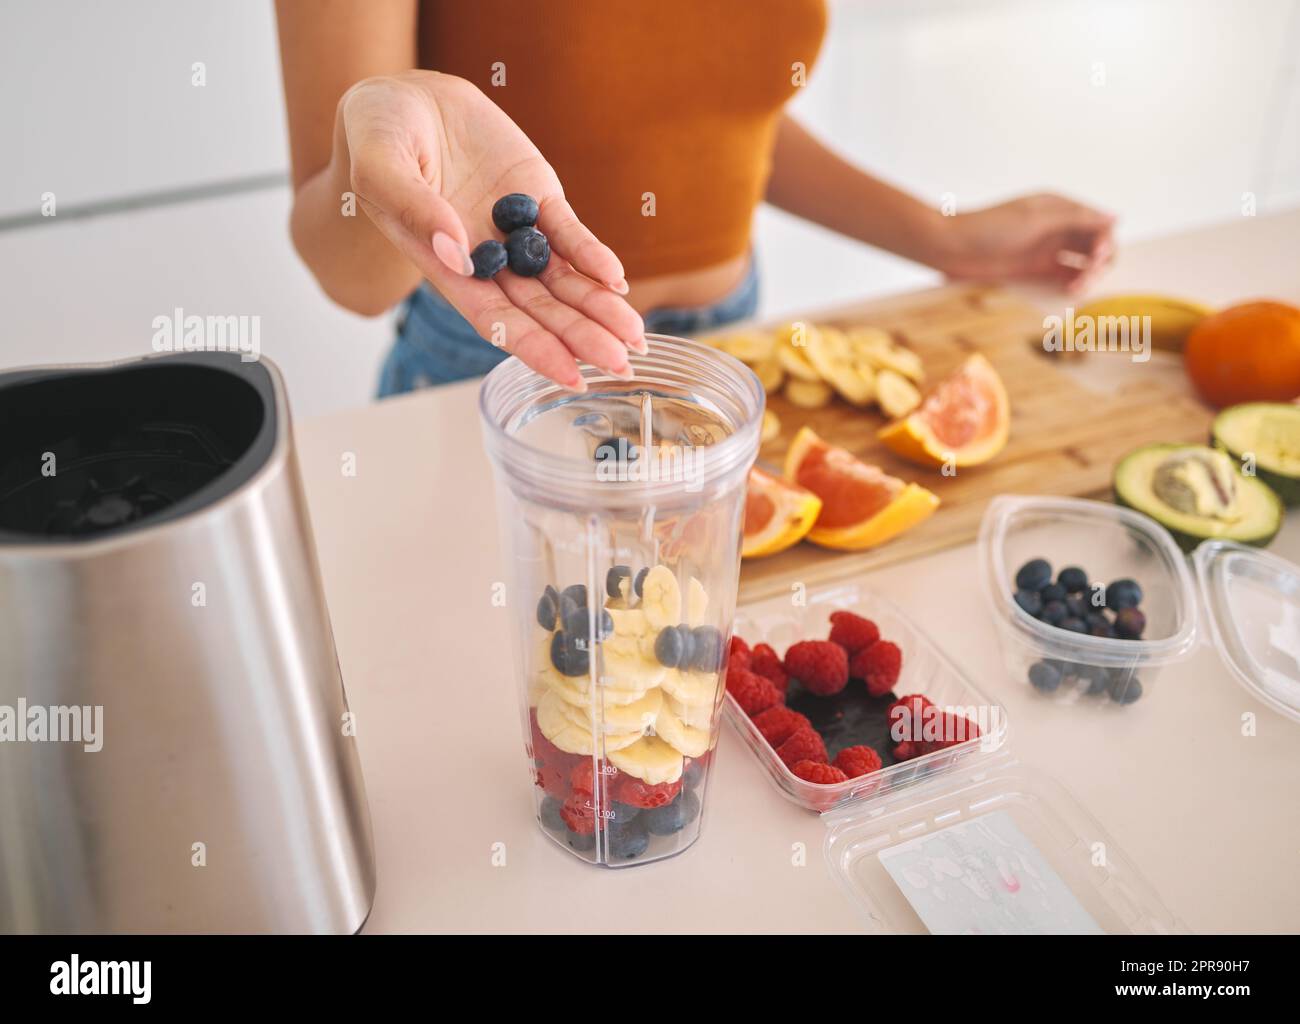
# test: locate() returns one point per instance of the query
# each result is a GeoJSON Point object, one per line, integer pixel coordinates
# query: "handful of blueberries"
{"type": "Point", "coordinates": [566, 613]}
{"type": "Point", "coordinates": [1073, 604]}
{"type": "Point", "coordinates": [526, 250]}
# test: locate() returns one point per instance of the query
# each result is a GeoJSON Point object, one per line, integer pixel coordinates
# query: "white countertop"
{"type": "Point", "coordinates": [409, 552]}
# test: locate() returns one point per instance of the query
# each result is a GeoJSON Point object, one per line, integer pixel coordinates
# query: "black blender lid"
{"type": "Point", "coordinates": [88, 452]}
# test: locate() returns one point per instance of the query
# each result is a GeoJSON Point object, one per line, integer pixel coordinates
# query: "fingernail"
{"type": "Point", "coordinates": [639, 346]}
{"type": "Point", "coordinates": [452, 253]}
{"type": "Point", "coordinates": [625, 373]}
{"type": "Point", "coordinates": [619, 286]}
{"type": "Point", "coordinates": [575, 383]}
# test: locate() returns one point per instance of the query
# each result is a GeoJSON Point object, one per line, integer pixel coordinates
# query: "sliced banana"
{"type": "Point", "coordinates": [624, 666]}
{"type": "Point", "coordinates": [661, 598]}
{"type": "Point", "coordinates": [807, 394]}
{"type": "Point", "coordinates": [748, 346]}
{"type": "Point", "coordinates": [576, 739]}
{"type": "Point", "coordinates": [638, 716]}
{"type": "Point", "coordinates": [649, 759]}
{"type": "Point", "coordinates": [829, 352]}
{"type": "Point", "coordinates": [771, 427]}
{"type": "Point", "coordinates": [680, 736]}
{"type": "Point", "coordinates": [697, 602]}
{"type": "Point", "coordinates": [628, 621]}
{"type": "Point", "coordinates": [576, 692]}
{"type": "Point", "coordinates": [897, 395]}
{"type": "Point", "coordinates": [770, 374]}
{"type": "Point", "coordinates": [791, 352]}
{"type": "Point", "coordinates": [697, 716]}
{"type": "Point", "coordinates": [691, 687]}
{"type": "Point", "coordinates": [883, 353]}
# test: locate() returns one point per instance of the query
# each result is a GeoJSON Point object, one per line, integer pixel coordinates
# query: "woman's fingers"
{"type": "Point", "coordinates": [572, 240]}
{"type": "Point", "coordinates": [583, 336]}
{"type": "Point", "coordinates": [596, 302]}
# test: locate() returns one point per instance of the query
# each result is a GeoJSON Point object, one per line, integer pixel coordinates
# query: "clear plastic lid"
{"type": "Point", "coordinates": [1253, 603]}
{"type": "Point", "coordinates": [998, 849]}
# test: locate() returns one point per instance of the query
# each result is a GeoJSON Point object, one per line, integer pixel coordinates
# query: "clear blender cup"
{"type": "Point", "coordinates": [621, 513]}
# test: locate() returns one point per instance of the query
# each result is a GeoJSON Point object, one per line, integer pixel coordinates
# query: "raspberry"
{"type": "Point", "coordinates": [739, 653]}
{"type": "Point", "coordinates": [753, 692]}
{"type": "Point", "coordinates": [906, 717]}
{"type": "Point", "coordinates": [804, 744]}
{"type": "Point", "coordinates": [766, 662]}
{"type": "Point", "coordinates": [578, 816]}
{"type": "Point", "coordinates": [543, 749]}
{"type": "Point", "coordinates": [853, 632]}
{"type": "Point", "coordinates": [952, 729]}
{"type": "Point", "coordinates": [633, 791]}
{"type": "Point", "coordinates": [907, 750]}
{"type": "Point", "coordinates": [580, 777]}
{"type": "Point", "coordinates": [818, 772]}
{"type": "Point", "coordinates": [778, 724]}
{"type": "Point", "coordinates": [855, 761]}
{"type": "Point", "coordinates": [820, 665]}
{"type": "Point", "coordinates": [551, 780]}
{"type": "Point", "coordinates": [878, 665]}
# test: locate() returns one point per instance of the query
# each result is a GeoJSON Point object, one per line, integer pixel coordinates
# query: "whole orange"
{"type": "Point", "coordinates": [1246, 353]}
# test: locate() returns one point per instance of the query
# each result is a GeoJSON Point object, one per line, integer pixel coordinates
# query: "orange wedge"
{"type": "Point", "coordinates": [778, 514]}
{"type": "Point", "coordinates": [964, 421]}
{"type": "Point", "coordinates": [862, 506]}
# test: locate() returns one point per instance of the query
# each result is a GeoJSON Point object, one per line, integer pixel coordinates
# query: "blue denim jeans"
{"type": "Point", "coordinates": [436, 345]}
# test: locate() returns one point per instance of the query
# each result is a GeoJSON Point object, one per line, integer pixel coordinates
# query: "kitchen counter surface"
{"type": "Point", "coordinates": [409, 552]}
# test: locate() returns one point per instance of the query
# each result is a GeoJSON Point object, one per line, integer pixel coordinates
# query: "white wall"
{"type": "Point", "coordinates": [1200, 103]}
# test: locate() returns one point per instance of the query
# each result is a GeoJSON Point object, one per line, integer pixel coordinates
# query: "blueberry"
{"type": "Point", "coordinates": [1123, 594]}
{"type": "Point", "coordinates": [638, 581]}
{"type": "Point", "coordinates": [577, 594]}
{"type": "Point", "coordinates": [616, 450]}
{"type": "Point", "coordinates": [569, 654]}
{"type": "Point", "coordinates": [548, 608]}
{"type": "Point", "coordinates": [581, 841]}
{"type": "Point", "coordinates": [1095, 677]}
{"type": "Point", "coordinates": [1044, 676]}
{"type": "Point", "coordinates": [627, 840]}
{"type": "Point", "coordinates": [688, 646]}
{"type": "Point", "coordinates": [621, 814]}
{"type": "Point", "coordinates": [1124, 686]}
{"type": "Point", "coordinates": [1074, 625]}
{"type": "Point", "coordinates": [614, 580]}
{"type": "Point", "coordinates": [706, 653]}
{"type": "Point", "coordinates": [1096, 618]}
{"type": "Point", "coordinates": [515, 210]}
{"type": "Point", "coordinates": [1129, 623]}
{"type": "Point", "coordinates": [488, 258]}
{"type": "Point", "coordinates": [1029, 601]}
{"type": "Point", "coordinates": [528, 251]}
{"type": "Point", "coordinates": [693, 773]}
{"type": "Point", "coordinates": [1052, 592]}
{"type": "Point", "coordinates": [670, 646]}
{"type": "Point", "coordinates": [1102, 629]}
{"type": "Point", "coordinates": [673, 817]}
{"type": "Point", "coordinates": [1034, 574]}
{"type": "Point", "coordinates": [1053, 613]}
{"type": "Point", "coordinates": [1073, 579]}
{"type": "Point", "coordinates": [1077, 607]}
{"type": "Point", "coordinates": [577, 624]}
{"type": "Point", "coordinates": [550, 814]}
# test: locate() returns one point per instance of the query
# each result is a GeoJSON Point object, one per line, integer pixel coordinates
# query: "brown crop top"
{"type": "Point", "coordinates": [677, 98]}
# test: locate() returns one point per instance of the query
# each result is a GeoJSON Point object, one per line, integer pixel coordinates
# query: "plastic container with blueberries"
{"type": "Point", "coordinates": [912, 804]}
{"type": "Point", "coordinates": [1242, 601]}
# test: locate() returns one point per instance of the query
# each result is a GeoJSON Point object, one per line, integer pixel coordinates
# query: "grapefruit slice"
{"type": "Point", "coordinates": [965, 419]}
{"type": "Point", "coordinates": [862, 505]}
{"type": "Point", "coordinates": [778, 514]}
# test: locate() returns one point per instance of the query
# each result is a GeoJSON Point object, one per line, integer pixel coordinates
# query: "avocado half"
{"type": "Point", "coordinates": [1267, 435]}
{"type": "Point", "coordinates": [1196, 493]}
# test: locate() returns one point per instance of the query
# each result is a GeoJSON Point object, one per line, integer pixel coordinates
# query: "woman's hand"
{"type": "Point", "coordinates": [1046, 239]}
{"type": "Point", "coordinates": [427, 156]}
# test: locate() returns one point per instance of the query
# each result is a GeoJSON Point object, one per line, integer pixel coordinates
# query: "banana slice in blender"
{"type": "Point", "coordinates": [691, 687]}
{"type": "Point", "coordinates": [638, 716]}
{"type": "Point", "coordinates": [680, 736]}
{"type": "Point", "coordinates": [697, 716]}
{"type": "Point", "coordinates": [624, 666]}
{"type": "Point", "coordinates": [572, 738]}
{"type": "Point", "coordinates": [649, 759]}
{"type": "Point", "coordinates": [628, 621]}
{"type": "Point", "coordinates": [661, 598]}
{"type": "Point", "coordinates": [577, 692]}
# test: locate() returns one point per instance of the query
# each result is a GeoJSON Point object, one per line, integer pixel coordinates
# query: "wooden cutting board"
{"type": "Point", "coordinates": [1072, 418]}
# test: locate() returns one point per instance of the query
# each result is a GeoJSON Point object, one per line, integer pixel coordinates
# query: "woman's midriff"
{"type": "Point", "coordinates": [689, 288]}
